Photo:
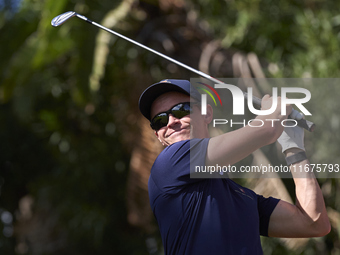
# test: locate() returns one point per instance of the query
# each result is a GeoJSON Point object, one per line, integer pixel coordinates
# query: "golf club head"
{"type": "Point", "coordinates": [60, 19]}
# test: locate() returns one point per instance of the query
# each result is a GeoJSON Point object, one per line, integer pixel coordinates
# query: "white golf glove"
{"type": "Point", "coordinates": [292, 137]}
{"type": "Point", "coordinates": [296, 115]}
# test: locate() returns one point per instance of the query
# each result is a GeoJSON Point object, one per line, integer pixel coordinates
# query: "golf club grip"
{"type": "Point", "coordinates": [306, 124]}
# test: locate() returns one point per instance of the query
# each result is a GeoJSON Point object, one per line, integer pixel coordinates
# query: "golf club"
{"type": "Point", "coordinates": [62, 18]}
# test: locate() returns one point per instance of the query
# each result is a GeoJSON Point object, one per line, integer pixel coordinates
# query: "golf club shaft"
{"type": "Point", "coordinates": [257, 101]}
{"type": "Point", "coordinates": [151, 50]}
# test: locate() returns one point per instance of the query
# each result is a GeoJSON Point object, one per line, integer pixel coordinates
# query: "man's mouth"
{"type": "Point", "coordinates": [176, 131]}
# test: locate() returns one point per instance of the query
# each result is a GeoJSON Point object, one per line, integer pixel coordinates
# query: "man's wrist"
{"type": "Point", "coordinates": [292, 151]}
{"type": "Point", "coordinates": [295, 155]}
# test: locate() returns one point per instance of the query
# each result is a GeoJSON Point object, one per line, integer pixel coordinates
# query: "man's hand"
{"type": "Point", "coordinates": [267, 102]}
{"type": "Point", "coordinates": [292, 137]}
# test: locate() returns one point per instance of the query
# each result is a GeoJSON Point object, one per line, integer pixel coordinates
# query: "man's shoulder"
{"type": "Point", "coordinates": [179, 153]}
{"type": "Point", "coordinates": [184, 146]}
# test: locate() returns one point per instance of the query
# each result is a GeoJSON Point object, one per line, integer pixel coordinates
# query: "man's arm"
{"type": "Point", "coordinates": [308, 217]}
{"type": "Point", "coordinates": [231, 147]}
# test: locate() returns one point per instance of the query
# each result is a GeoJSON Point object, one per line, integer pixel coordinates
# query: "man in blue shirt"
{"type": "Point", "coordinates": [216, 215]}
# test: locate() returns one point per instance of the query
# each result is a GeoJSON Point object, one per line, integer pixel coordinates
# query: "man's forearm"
{"type": "Point", "coordinates": [309, 198]}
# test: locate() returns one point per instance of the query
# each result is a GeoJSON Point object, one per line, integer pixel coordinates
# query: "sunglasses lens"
{"type": "Point", "coordinates": [178, 111]}
{"type": "Point", "coordinates": [159, 121]}
{"type": "Point", "coordinates": [181, 110]}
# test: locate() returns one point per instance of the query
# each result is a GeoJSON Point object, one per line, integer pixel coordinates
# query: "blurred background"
{"type": "Point", "coordinates": [75, 153]}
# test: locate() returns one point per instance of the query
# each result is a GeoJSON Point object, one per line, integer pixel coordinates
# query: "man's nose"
{"type": "Point", "coordinates": [172, 120]}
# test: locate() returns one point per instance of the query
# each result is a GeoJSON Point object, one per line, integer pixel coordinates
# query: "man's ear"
{"type": "Point", "coordinates": [209, 116]}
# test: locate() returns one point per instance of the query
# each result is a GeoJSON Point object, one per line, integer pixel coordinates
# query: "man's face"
{"type": "Point", "coordinates": [178, 129]}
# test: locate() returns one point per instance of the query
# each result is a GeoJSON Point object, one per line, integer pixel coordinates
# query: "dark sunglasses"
{"type": "Point", "coordinates": [178, 111]}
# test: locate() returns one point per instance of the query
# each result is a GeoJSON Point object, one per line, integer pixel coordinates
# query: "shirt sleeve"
{"type": "Point", "coordinates": [265, 207]}
{"type": "Point", "coordinates": [171, 170]}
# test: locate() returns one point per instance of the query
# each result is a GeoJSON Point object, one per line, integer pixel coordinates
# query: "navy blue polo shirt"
{"type": "Point", "coordinates": [204, 216]}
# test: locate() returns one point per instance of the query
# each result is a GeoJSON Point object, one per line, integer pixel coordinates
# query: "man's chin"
{"type": "Point", "coordinates": [179, 136]}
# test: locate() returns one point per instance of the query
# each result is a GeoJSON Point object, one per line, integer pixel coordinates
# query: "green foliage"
{"type": "Point", "coordinates": [60, 143]}
{"type": "Point", "coordinates": [301, 37]}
